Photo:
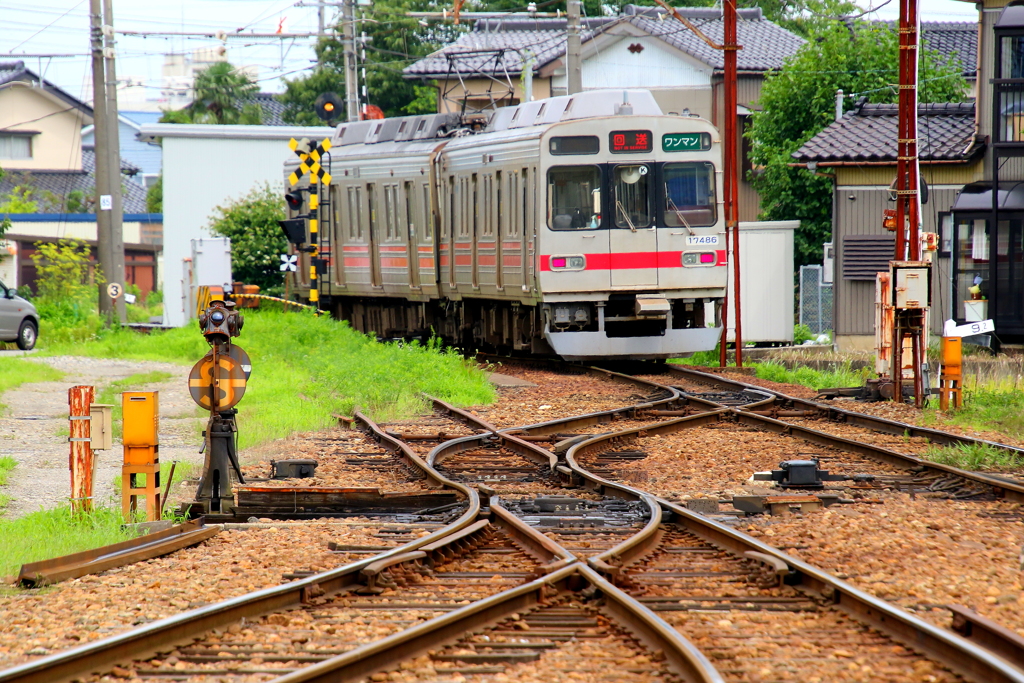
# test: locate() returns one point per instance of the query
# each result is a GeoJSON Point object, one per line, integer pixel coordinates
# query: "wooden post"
{"type": "Point", "coordinates": [80, 461]}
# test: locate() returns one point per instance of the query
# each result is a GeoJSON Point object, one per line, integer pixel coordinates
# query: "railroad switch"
{"type": "Point", "coordinates": [292, 469]}
{"type": "Point", "coordinates": [799, 474]}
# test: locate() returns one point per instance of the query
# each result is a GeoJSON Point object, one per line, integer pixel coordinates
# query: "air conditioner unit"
{"type": "Point", "coordinates": [829, 264]}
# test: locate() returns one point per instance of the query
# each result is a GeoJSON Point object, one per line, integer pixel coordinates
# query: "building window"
{"type": "Point", "coordinates": [15, 147]}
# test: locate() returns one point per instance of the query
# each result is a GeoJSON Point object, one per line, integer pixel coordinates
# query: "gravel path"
{"type": "Point", "coordinates": [34, 429]}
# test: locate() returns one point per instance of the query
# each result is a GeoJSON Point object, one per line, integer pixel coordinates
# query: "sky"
{"type": "Point", "coordinates": [62, 27]}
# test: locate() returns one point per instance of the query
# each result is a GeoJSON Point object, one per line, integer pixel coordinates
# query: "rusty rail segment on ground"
{"type": "Point", "coordinates": [145, 547]}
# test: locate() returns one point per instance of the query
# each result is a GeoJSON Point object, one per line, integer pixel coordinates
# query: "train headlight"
{"type": "Point", "coordinates": [568, 262]}
{"type": "Point", "coordinates": [699, 258]}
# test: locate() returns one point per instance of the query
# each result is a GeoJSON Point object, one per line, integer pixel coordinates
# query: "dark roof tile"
{"type": "Point", "coordinates": [61, 183]}
{"type": "Point", "coordinates": [868, 134]}
{"type": "Point", "coordinates": [765, 44]}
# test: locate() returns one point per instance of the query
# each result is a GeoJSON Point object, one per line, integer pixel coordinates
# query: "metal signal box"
{"type": "Point", "coordinates": [140, 411]}
{"type": "Point", "coordinates": [911, 285]}
{"type": "Point", "coordinates": [102, 422]}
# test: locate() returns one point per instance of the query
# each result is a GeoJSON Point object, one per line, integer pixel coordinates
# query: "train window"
{"type": "Point", "coordinates": [355, 198]}
{"type": "Point", "coordinates": [632, 185]}
{"type": "Point", "coordinates": [689, 194]}
{"type": "Point", "coordinates": [575, 144]}
{"type": "Point", "coordinates": [574, 197]}
{"type": "Point", "coordinates": [390, 212]}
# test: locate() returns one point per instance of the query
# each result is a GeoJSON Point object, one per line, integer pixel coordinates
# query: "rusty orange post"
{"type": "Point", "coordinates": [951, 379]}
{"type": "Point", "coordinates": [80, 461]}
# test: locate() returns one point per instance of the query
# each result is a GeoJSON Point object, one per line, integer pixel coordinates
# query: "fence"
{"type": "Point", "coordinates": [815, 300]}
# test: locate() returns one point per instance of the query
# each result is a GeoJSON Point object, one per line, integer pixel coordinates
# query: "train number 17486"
{"type": "Point", "coordinates": [702, 241]}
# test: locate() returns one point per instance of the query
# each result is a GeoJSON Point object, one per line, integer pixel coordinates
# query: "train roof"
{"type": "Point", "coordinates": [540, 113]}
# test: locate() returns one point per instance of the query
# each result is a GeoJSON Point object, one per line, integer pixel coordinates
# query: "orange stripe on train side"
{"type": "Point", "coordinates": [394, 262]}
{"type": "Point", "coordinates": [357, 262]}
{"type": "Point", "coordinates": [358, 248]}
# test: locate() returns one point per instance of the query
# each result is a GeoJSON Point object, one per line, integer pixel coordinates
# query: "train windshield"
{"type": "Point", "coordinates": [574, 197]}
{"type": "Point", "coordinates": [631, 194]}
{"type": "Point", "coordinates": [689, 194]}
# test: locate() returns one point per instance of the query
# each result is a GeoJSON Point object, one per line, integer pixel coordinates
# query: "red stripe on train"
{"type": "Point", "coordinates": [633, 260]}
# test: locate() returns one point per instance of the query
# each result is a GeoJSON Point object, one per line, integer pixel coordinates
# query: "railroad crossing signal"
{"type": "Point", "coordinates": [314, 169]}
{"type": "Point", "coordinates": [289, 262]}
{"type": "Point", "coordinates": [220, 387]}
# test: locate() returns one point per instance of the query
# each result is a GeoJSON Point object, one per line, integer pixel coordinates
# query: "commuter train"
{"type": "Point", "coordinates": [585, 226]}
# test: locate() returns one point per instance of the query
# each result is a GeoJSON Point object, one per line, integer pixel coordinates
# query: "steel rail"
{"type": "Point", "coordinates": [880, 424]}
{"type": "Point", "coordinates": [164, 634]}
{"type": "Point", "coordinates": [685, 659]}
{"type": "Point", "coordinates": [960, 655]}
{"type": "Point", "coordinates": [1003, 488]}
{"type": "Point", "coordinates": [34, 574]}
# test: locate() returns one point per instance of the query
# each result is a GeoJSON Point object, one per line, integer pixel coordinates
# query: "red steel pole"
{"type": "Point", "coordinates": [81, 459]}
{"type": "Point", "coordinates": [731, 167]}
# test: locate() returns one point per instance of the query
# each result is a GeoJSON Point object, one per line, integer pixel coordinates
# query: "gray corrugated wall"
{"type": "Point", "coordinates": [854, 309]}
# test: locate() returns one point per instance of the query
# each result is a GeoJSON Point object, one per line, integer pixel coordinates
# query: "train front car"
{"type": "Point", "coordinates": [631, 239]}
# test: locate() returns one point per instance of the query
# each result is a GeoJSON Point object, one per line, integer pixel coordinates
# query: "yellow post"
{"type": "Point", "coordinates": [951, 379]}
{"type": "Point", "coordinates": [140, 412]}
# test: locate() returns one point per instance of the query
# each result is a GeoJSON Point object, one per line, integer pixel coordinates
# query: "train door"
{"type": "Point", "coordinates": [474, 237]}
{"type": "Point", "coordinates": [338, 240]}
{"type": "Point", "coordinates": [412, 245]}
{"type": "Point", "coordinates": [529, 228]}
{"type": "Point", "coordinates": [454, 211]}
{"type": "Point", "coordinates": [427, 257]}
{"type": "Point", "coordinates": [512, 266]}
{"type": "Point", "coordinates": [633, 242]}
{"type": "Point", "coordinates": [373, 237]}
{"type": "Point", "coordinates": [499, 233]}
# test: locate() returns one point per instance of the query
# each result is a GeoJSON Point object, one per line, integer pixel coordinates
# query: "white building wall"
{"type": "Point", "coordinates": [655, 66]}
{"type": "Point", "coordinates": [205, 167]}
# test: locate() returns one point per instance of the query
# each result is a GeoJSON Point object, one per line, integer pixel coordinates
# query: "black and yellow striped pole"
{"type": "Point", "coordinates": [314, 239]}
{"type": "Point", "coordinates": [309, 162]}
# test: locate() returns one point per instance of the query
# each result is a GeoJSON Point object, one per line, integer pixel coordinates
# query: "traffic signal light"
{"type": "Point", "coordinates": [294, 200]}
{"type": "Point", "coordinates": [328, 106]}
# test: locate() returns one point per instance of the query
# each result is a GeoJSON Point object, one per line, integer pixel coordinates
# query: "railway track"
{"type": "Point", "coordinates": [564, 571]}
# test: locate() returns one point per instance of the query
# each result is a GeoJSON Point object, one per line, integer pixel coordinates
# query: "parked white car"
{"type": "Point", "coordinates": [19, 320]}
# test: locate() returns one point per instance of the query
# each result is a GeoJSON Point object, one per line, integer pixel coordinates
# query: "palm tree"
{"type": "Point", "coordinates": [221, 94]}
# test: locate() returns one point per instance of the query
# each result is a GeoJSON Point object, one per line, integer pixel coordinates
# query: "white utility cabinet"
{"type": "Point", "coordinates": [767, 295]}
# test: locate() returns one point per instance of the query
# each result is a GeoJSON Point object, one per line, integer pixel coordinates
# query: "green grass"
{"type": "Point", "coordinates": [7, 463]}
{"type": "Point", "coordinates": [52, 533]}
{"type": "Point", "coordinates": [989, 407]}
{"type": "Point", "coordinates": [843, 376]}
{"type": "Point", "coordinates": [973, 457]}
{"type": "Point", "coordinates": [17, 371]}
{"type": "Point", "coordinates": [305, 368]}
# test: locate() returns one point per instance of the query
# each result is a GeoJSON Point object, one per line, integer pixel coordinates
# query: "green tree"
{"type": "Point", "coordinates": [20, 200]}
{"type": "Point", "coordinates": [64, 271]}
{"type": "Point", "coordinates": [155, 196]}
{"type": "Point", "coordinates": [300, 94]}
{"type": "Point", "coordinates": [798, 101]}
{"type": "Point", "coordinates": [256, 238]}
{"type": "Point", "coordinates": [394, 41]}
{"type": "Point", "coordinates": [221, 94]}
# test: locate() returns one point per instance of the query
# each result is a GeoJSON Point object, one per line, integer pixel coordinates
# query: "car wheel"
{"type": "Point", "coordinates": [27, 335]}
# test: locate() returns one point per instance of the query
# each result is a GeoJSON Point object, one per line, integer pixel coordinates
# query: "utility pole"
{"type": "Point", "coordinates": [910, 318]}
{"type": "Point", "coordinates": [113, 153]}
{"type": "Point", "coordinates": [573, 65]}
{"type": "Point", "coordinates": [731, 179]}
{"type": "Point", "coordinates": [100, 135]}
{"type": "Point", "coordinates": [348, 45]}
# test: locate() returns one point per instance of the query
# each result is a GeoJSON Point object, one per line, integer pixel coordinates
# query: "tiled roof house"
{"type": "Point", "coordinates": [641, 48]}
